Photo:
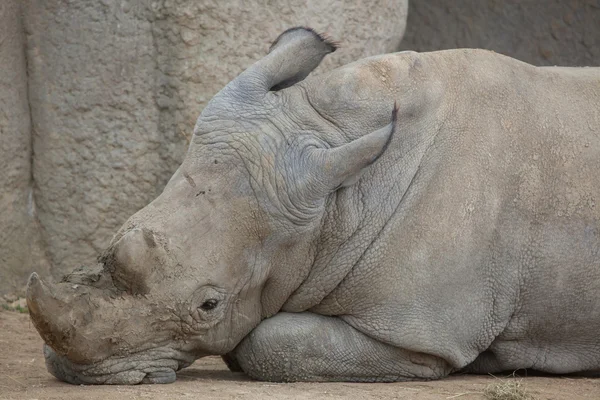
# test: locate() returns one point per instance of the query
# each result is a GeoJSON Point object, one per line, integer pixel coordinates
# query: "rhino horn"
{"type": "Point", "coordinates": [292, 56]}
{"type": "Point", "coordinates": [47, 312]}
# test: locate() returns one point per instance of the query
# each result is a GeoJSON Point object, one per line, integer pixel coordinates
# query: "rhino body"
{"type": "Point", "coordinates": [403, 217]}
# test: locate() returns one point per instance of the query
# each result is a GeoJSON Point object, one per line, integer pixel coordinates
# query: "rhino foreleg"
{"type": "Point", "coordinates": [310, 347]}
{"type": "Point", "coordinates": [232, 362]}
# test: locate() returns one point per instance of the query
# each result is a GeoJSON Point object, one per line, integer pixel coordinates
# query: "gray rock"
{"type": "Point", "coordinates": [115, 89]}
{"type": "Point", "coordinates": [19, 237]}
{"type": "Point", "coordinates": [551, 32]}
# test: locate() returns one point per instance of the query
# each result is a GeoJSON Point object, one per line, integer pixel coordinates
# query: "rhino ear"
{"type": "Point", "coordinates": [292, 56]}
{"type": "Point", "coordinates": [298, 51]}
{"type": "Point", "coordinates": [343, 166]}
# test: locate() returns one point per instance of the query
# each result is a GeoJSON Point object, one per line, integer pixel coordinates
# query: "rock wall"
{"type": "Point", "coordinates": [98, 98]}
{"type": "Point", "coordinates": [540, 32]}
{"type": "Point", "coordinates": [20, 247]}
{"type": "Point", "coordinates": [115, 88]}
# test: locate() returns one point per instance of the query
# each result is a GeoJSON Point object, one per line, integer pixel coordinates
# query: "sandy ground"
{"type": "Point", "coordinates": [23, 376]}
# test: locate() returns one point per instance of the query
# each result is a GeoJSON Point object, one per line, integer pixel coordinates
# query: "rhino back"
{"type": "Point", "coordinates": [479, 226]}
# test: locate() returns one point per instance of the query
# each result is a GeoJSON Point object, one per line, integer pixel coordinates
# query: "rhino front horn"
{"type": "Point", "coordinates": [47, 312]}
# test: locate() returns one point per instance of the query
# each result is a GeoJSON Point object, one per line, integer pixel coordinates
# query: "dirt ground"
{"type": "Point", "coordinates": [23, 376]}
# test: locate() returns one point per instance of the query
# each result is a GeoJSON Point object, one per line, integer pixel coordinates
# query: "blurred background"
{"type": "Point", "coordinates": [98, 98]}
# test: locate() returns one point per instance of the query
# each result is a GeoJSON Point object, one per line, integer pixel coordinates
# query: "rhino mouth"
{"type": "Point", "coordinates": [152, 366]}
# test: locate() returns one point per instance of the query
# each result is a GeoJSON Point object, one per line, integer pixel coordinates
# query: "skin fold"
{"type": "Point", "coordinates": [402, 217]}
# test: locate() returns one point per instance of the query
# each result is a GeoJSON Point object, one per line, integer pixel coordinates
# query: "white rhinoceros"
{"type": "Point", "coordinates": [315, 231]}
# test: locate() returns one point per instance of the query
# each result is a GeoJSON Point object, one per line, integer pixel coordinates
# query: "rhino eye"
{"type": "Point", "coordinates": [209, 304]}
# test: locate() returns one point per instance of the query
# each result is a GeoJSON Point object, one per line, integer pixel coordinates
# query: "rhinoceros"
{"type": "Point", "coordinates": [403, 217]}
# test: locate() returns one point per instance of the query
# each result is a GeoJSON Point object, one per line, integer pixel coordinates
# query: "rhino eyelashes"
{"type": "Point", "coordinates": [209, 304]}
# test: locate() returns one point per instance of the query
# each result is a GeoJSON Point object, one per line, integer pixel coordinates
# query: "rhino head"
{"type": "Point", "coordinates": [231, 237]}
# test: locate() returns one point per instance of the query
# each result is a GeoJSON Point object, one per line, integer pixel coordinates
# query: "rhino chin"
{"type": "Point", "coordinates": [151, 367]}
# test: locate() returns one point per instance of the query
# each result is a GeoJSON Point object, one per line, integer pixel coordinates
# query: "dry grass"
{"type": "Point", "coordinates": [507, 389]}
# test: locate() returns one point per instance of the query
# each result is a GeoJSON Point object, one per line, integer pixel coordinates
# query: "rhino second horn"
{"type": "Point", "coordinates": [133, 247]}
{"type": "Point", "coordinates": [136, 250]}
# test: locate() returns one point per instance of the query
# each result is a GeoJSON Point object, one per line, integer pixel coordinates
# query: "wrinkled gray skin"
{"type": "Point", "coordinates": [312, 234]}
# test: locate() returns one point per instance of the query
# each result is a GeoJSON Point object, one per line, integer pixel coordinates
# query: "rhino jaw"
{"type": "Point", "coordinates": [155, 366]}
